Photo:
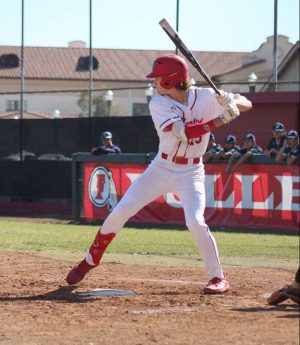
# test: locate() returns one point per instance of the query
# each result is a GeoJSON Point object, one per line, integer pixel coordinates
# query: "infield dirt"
{"type": "Point", "coordinates": [37, 307]}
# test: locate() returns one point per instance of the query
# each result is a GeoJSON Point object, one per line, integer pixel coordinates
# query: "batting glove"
{"type": "Point", "coordinates": [230, 114]}
{"type": "Point", "coordinates": [225, 98]}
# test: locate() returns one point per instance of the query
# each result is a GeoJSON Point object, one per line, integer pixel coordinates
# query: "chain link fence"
{"type": "Point", "coordinates": [128, 101]}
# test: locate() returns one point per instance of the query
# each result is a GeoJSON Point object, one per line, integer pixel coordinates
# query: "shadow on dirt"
{"type": "Point", "coordinates": [62, 294]}
{"type": "Point", "coordinates": [292, 310]}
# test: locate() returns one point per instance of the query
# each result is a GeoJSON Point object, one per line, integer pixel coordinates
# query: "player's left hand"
{"type": "Point", "coordinates": [225, 98]}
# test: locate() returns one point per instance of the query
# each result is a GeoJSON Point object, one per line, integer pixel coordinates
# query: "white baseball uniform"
{"type": "Point", "coordinates": [177, 169]}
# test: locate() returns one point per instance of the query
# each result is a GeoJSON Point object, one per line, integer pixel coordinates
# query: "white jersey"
{"type": "Point", "coordinates": [202, 106]}
{"type": "Point", "coordinates": [182, 176]}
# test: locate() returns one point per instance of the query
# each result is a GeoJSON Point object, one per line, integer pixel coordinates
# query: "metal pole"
{"type": "Point", "coordinates": [90, 78]}
{"type": "Point", "coordinates": [129, 102]}
{"type": "Point", "coordinates": [21, 100]}
{"type": "Point", "coordinates": [275, 46]}
{"type": "Point", "coordinates": [177, 21]}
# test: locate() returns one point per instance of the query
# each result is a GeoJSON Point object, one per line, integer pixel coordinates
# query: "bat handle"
{"type": "Point", "coordinates": [217, 91]}
{"type": "Point", "coordinates": [208, 80]}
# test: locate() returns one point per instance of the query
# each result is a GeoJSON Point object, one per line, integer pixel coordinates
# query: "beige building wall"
{"type": "Point", "coordinates": [66, 102]}
{"type": "Point", "coordinates": [291, 72]}
{"type": "Point", "coordinates": [262, 69]}
{"type": "Point", "coordinates": [260, 62]}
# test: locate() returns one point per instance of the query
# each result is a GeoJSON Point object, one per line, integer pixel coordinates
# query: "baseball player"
{"type": "Point", "coordinates": [277, 140]}
{"type": "Point", "coordinates": [290, 151]}
{"type": "Point", "coordinates": [229, 148]}
{"type": "Point", "coordinates": [107, 145]}
{"type": "Point", "coordinates": [213, 149]}
{"type": "Point", "coordinates": [183, 116]}
{"type": "Point", "coordinates": [243, 154]}
{"type": "Point", "coordinates": [291, 291]}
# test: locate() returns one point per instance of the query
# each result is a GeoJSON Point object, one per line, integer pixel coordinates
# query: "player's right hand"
{"type": "Point", "coordinates": [230, 114]}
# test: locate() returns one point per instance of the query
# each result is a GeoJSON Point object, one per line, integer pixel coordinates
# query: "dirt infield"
{"type": "Point", "coordinates": [37, 307]}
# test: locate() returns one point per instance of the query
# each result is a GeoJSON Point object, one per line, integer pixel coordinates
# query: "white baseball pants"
{"type": "Point", "coordinates": [187, 182]}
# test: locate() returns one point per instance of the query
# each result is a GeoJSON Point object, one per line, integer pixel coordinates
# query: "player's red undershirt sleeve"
{"type": "Point", "coordinates": [195, 130]}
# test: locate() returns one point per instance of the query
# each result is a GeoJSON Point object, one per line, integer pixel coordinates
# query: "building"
{"type": "Point", "coordinates": [57, 79]}
{"type": "Point", "coordinates": [260, 62]}
{"type": "Point", "coordinates": [288, 69]}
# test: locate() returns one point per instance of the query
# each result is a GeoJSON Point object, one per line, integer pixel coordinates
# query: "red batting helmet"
{"type": "Point", "coordinates": [172, 69]}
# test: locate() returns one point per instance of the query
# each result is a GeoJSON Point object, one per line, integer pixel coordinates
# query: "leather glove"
{"type": "Point", "coordinates": [230, 114]}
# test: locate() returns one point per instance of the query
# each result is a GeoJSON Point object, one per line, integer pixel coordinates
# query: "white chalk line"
{"type": "Point", "coordinates": [166, 310]}
{"type": "Point", "coordinates": [164, 281]}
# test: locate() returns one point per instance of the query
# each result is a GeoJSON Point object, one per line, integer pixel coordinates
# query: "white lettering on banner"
{"type": "Point", "coordinates": [172, 201]}
{"type": "Point", "coordinates": [288, 192]}
{"type": "Point", "coordinates": [210, 194]}
{"type": "Point", "coordinates": [132, 177]}
{"type": "Point", "coordinates": [169, 197]}
{"type": "Point", "coordinates": [247, 182]}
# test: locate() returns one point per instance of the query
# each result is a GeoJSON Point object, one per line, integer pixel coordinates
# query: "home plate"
{"type": "Point", "coordinates": [107, 292]}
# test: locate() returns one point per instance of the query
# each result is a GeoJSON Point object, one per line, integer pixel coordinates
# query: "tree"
{"type": "Point", "coordinates": [99, 107]}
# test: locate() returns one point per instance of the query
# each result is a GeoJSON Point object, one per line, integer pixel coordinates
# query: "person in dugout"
{"type": "Point", "coordinates": [229, 147]}
{"type": "Point", "coordinates": [290, 151]}
{"type": "Point", "coordinates": [213, 149]}
{"type": "Point", "coordinates": [249, 149]}
{"type": "Point", "coordinates": [107, 145]}
{"type": "Point", "coordinates": [277, 140]}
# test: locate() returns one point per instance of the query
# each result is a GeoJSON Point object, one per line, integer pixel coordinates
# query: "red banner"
{"type": "Point", "coordinates": [255, 196]}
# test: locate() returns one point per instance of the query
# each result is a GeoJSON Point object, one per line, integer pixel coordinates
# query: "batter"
{"type": "Point", "coordinates": [183, 116]}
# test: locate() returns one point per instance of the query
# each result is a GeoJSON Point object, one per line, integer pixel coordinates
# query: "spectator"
{"type": "Point", "coordinates": [107, 145]}
{"type": "Point", "coordinates": [277, 141]}
{"type": "Point", "coordinates": [250, 148]}
{"type": "Point", "coordinates": [290, 151]}
{"type": "Point", "coordinates": [230, 147]}
{"type": "Point", "coordinates": [212, 149]}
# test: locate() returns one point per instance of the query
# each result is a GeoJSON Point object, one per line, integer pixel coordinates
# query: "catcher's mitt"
{"type": "Point", "coordinates": [277, 297]}
{"type": "Point", "coordinates": [293, 293]}
{"type": "Point", "coordinates": [281, 295]}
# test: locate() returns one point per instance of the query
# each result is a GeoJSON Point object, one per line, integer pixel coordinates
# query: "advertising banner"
{"type": "Point", "coordinates": [257, 196]}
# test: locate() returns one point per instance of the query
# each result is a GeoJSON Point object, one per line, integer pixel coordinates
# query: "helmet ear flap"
{"type": "Point", "coordinates": [166, 83]}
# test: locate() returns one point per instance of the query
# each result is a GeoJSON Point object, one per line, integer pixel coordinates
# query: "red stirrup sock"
{"type": "Point", "coordinates": [99, 246]}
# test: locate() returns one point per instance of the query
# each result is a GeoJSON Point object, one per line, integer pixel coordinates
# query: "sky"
{"type": "Point", "coordinates": [204, 25]}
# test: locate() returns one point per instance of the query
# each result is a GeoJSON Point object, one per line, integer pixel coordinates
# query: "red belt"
{"type": "Point", "coordinates": [181, 160]}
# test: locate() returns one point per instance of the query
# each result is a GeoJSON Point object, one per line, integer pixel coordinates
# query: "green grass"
{"type": "Point", "coordinates": [69, 241]}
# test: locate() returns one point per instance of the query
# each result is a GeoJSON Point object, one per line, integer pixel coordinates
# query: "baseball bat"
{"type": "Point", "coordinates": [173, 35]}
{"type": "Point", "coordinates": [226, 185]}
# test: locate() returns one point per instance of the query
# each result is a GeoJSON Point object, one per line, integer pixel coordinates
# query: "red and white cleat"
{"type": "Point", "coordinates": [78, 272]}
{"type": "Point", "coordinates": [216, 286]}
